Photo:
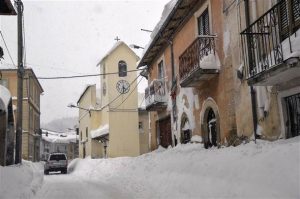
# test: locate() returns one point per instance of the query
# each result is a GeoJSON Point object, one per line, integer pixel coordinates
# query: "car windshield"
{"type": "Point", "coordinates": [58, 157]}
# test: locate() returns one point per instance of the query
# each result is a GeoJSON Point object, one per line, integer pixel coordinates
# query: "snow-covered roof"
{"type": "Point", "coordinates": [115, 46]}
{"type": "Point", "coordinates": [57, 137]}
{"type": "Point", "coordinates": [167, 13]}
{"type": "Point", "coordinates": [83, 92]}
{"type": "Point", "coordinates": [101, 131]}
{"type": "Point", "coordinates": [4, 98]}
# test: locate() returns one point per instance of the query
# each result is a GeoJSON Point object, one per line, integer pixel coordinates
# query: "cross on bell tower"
{"type": "Point", "coordinates": [117, 39]}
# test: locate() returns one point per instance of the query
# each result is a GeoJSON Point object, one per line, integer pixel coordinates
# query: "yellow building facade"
{"type": "Point", "coordinates": [32, 90]}
{"type": "Point", "coordinates": [109, 123]}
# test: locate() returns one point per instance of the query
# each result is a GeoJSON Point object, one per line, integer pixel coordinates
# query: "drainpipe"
{"type": "Point", "coordinates": [252, 91]}
{"type": "Point", "coordinates": [173, 88]}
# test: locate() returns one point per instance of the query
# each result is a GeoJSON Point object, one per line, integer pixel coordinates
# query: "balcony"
{"type": "Point", "coordinates": [271, 46]}
{"type": "Point", "coordinates": [155, 96]}
{"type": "Point", "coordinates": [198, 62]}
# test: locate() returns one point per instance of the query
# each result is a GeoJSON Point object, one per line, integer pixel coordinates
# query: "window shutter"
{"type": "Point", "coordinates": [203, 23]}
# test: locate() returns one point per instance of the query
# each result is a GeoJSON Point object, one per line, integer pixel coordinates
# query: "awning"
{"type": "Point", "coordinates": [102, 131]}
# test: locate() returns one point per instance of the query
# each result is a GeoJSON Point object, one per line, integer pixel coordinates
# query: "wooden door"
{"type": "Point", "coordinates": [165, 134]}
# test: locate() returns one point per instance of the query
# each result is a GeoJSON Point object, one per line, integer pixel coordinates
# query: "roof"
{"type": "Point", "coordinates": [9, 67]}
{"type": "Point", "coordinates": [84, 91]}
{"type": "Point", "coordinates": [115, 46]}
{"type": "Point", "coordinates": [177, 15]}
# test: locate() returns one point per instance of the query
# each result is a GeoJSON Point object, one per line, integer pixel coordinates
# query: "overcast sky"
{"type": "Point", "coordinates": [69, 37]}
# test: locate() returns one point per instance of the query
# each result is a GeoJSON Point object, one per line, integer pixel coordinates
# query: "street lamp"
{"type": "Point", "coordinates": [136, 46]}
{"type": "Point", "coordinates": [74, 106]}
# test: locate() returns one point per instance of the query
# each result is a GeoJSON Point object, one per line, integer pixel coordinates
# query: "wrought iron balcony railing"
{"type": "Point", "coordinates": [155, 96]}
{"type": "Point", "coordinates": [263, 40]}
{"type": "Point", "coordinates": [190, 60]}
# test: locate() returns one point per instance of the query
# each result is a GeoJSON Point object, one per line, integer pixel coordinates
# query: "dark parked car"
{"type": "Point", "coordinates": [56, 162]}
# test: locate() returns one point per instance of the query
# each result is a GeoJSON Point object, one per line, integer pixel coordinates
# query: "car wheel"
{"type": "Point", "coordinates": [46, 172]}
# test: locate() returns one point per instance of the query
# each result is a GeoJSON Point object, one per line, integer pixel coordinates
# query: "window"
{"type": "Point", "coordinates": [140, 125]}
{"type": "Point", "coordinates": [80, 135]}
{"type": "Point", "coordinates": [161, 72]}
{"type": "Point", "coordinates": [87, 132]}
{"type": "Point", "coordinates": [4, 82]}
{"type": "Point", "coordinates": [103, 71]}
{"type": "Point", "coordinates": [122, 69]}
{"type": "Point", "coordinates": [203, 23]}
{"type": "Point", "coordinates": [104, 89]}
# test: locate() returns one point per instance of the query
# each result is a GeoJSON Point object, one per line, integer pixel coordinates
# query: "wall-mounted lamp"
{"type": "Point", "coordinates": [74, 106]}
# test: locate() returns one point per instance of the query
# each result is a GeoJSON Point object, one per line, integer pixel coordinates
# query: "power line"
{"type": "Point", "coordinates": [129, 94]}
{"type": "Point", "coordinates": [53, 68]}
{"type": "Point", "coordinates": [119, 94]}
{"type": "Point", "coordinates": [7, 49]}
{"type": "Point", "coordinates": [109, 103]}
{"type": "Point", "coordinates": [80, 76]}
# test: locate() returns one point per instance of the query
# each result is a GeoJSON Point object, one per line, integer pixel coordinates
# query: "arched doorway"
{"type": "Point", "coordinates": [185, 130]}
{"type": "Point", "coordinates": [210, 124]}
{"type": "Point", "coordinates": [212, 128]}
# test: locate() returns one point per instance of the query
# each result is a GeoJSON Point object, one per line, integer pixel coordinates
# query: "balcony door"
{"type": "Point", "coordinates": [292, 115]}
{"type": "Point", "coordinates": [203, 23]}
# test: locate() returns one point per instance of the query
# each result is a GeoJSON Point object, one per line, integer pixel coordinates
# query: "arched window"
{"type": "Point", "coordinates": [122, 68]}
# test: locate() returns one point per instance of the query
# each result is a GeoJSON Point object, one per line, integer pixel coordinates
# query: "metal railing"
{"type": "Point", "coordinates": [262, 40]}
{"type": "Point", "coordinates": [155, 93]}
{"type": "Point", "coordinates": [190, 59]}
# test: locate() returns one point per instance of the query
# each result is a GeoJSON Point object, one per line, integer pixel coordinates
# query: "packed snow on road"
{"type": "Point", "coordinates": [262, 170]}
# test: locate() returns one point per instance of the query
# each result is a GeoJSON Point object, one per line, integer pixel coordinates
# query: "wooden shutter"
{"type": "Point", "coordinates": [296, 14]}
{"type": "Point", "coordinates": [284, 21]}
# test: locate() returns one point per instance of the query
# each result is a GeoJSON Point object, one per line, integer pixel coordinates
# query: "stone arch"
{"type": "Point", "coordinates": [210, 123]}
{"type": "Point", "coordinates": [185, 129]}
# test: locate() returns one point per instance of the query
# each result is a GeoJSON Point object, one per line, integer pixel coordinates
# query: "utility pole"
{"type": "Point", "coordinates": [19, 130]}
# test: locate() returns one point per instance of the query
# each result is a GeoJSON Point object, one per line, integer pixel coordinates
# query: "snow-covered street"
{"type": "Point", "coordinates": [262, 170]}
{"type": "Point", "coordinates": [70, 186]}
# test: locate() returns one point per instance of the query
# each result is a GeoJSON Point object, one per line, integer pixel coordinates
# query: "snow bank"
{"type": "Point", "coordinates": [211, 61]}
{"type": "Point", "coordinates": [4, 98]}
{"type": "Point", "coordinates": [21, 181]}
{"type": "Point", "coordinates": [262, 170]}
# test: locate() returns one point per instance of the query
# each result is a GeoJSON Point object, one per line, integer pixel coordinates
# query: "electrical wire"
{"type": "Point", "coordinates": [129, 94]}
{"type": "Point", "coordinates": [53, 68]}
{"type": "Point", "coordinates": [7, 49]}
{"type": "Point", "coordinates": [109, 103]}
{"type": "Point", "coordinates": [119, 94]}
{"type": "Point", "coordinates": [80, 76]}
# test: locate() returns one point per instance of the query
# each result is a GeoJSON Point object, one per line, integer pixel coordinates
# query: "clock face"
{"type": "Point", "coordinates": [123, 86]}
